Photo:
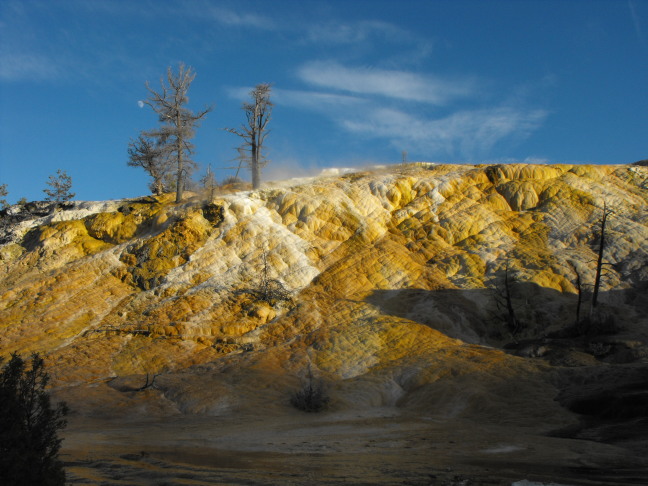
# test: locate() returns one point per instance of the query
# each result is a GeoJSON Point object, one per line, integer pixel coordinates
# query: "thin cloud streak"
{"type": "Point", "coordinates": [391, 105]}
{"type": "Point", "coordinates": [230, 17]}
{"type": "Point", "coordinates": [199, 10]}
{"type": "Point", "coordinates": [401, 85]}
{"type": "Point", "coordinates": [26, 67]}
{"type": "Point", "coordinates": [468, 133]}
{"type": "Point", "coordinates": [314, 100]}
{"type": "Point", "coordinates": [307, 100]}
{"type": "Point", "coordinates": [337, 33]}
{"type": "Point", "coordinates": [368, 35]}
{"type": "Point", "coordinates": [636, 22]}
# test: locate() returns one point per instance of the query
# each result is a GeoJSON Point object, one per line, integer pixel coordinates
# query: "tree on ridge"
{"type": "Point", "coordinates": [146, 152]}
{"type": "Point", "coordinates": [254, 131]}
{"type": "Point", "coordinates": [60, 187]}
{"type": "Point", "coordinates": [178, 122]}
{"type": "Point", "coordinates": [3, 193]}
{"type": "Point", "coordinates": [209, 183]}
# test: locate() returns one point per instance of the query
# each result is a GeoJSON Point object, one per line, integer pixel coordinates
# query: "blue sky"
{"type": "Point", "coordinates": [354, 82]}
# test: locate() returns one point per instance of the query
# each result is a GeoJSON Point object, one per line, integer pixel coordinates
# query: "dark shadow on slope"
{"type": "Point", "coordinates": [547, 321]}
{"type": "Point", "coordinates": [472, 315]}
{"type": "Point", "coordinates": [600, 375]}
{"type": "Point", "coordinates": [456, 313]}
{"type": "Point", "coordinates": [612, 402]}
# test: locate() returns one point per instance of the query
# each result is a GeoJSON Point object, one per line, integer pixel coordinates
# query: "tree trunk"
{"type": "Point", "coordinates": [599, 261]}
{"type": "Point", "coordinates": [256, 176]}
{"type": "Point", "coordinates": [180, 175]}
{"type": "Point", "coordinates": [256, 167]}
{"type": "Point", "coordinates": [512, 321]}
{"type": "Point", "coordinates": [579, 287]}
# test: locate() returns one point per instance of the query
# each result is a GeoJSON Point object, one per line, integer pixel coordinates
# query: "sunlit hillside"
{"type": "Point", "coordinates": [445, 310]}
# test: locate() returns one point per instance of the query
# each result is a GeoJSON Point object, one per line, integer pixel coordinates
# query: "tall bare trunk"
{"type": "Point", "coordinates": [179, 179]}
{"type": "Point", "coordinates": [579, 288]}
{"type": "Point", "coordinates": [511, 319]}
{"type": "Point", "coordinates": [256, 167]}
{"type": "Point", "coordinates": [599, 261]}
{"type": "Point", "coordinates": [180, 174]}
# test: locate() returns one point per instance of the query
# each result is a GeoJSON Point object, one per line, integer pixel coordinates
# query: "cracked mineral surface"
{"type": "Point", "coordinates": [178, 333]}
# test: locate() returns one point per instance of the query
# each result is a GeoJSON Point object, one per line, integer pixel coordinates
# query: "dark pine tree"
{"type": "Point", "coordinates": [29, 425]}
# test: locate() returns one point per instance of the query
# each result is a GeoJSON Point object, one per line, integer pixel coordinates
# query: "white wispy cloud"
{"type": "Point", "coordinates": [401, 85]}
{"type": "Point", "coordinates": [16, 66]}
{"type": "Point", "coordinates": [330, 104]}
{"type": "Point", "coordinates": [466, 133]}
{"type": "Point", "coordinates": [319, 101]}
{"type": "Point", "coordinates": [636, 21]}
{"type": "Point", "coordinates": [394, 106]}
{"type": "Point", "coordinates": [352, 33]}
{"type": "Point", "coordinates": [525, 160]}
{"type": "Point", "coordinates": [368, 36]}
{"type": "Point", "coordinates": [197, 10]}
{"type": "Point", "coordinates": [237, 18]}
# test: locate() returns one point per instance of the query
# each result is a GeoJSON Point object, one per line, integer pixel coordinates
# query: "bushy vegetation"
{"type": "Point", "coordinates": [29, 444]}
{"type": "Point", "coordinates": [269, 290]}
{"type": "Point", "coordinates": [311, 397]}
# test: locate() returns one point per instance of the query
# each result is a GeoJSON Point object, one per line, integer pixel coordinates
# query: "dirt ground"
{"type": "Point", "coordinates": [380, 446]}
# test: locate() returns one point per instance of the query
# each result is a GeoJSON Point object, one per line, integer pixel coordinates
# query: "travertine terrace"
{"type": "Point", "coordinates": [390, 281]}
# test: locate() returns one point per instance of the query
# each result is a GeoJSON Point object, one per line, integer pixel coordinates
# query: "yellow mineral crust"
{"type": "Point", "coordinates": [384, 282]}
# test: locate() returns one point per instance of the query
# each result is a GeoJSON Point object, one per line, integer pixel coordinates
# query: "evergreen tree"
{"type": "Point", "coordinates": [3, 193]}
{"type": "Point", "coordinates": [29, 444]}
{"type": "Point", "coordinates": [60, 187]}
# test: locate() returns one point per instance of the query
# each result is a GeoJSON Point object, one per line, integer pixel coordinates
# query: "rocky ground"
{"type": "Point", "coordinates": [383, 446]}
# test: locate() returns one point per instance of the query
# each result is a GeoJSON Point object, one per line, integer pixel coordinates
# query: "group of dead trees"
{"type": "Point", "coordinates": [504, 298]}
{"type": "Point", "coordinates": [165, 153]}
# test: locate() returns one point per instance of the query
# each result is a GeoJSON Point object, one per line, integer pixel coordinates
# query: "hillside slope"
{"type": "Point", "coordinates": [390, 286]}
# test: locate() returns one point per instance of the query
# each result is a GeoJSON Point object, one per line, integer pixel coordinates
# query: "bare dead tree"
{"type": "Point", "coordinates": [209, 183]}
{"type": "Point", "coordinates": [265, 276]}
{"type": "Point", "coordinates": [60, 185]}
{"type": "Point", "coordinates": [254, 131]}
{"type": "Point", "coordinates": [270, 290]}
{"type": "Point", "coordinates": [178, 122]}
{"type": "Point", "coordinates": [241, 158]}
{"type": "Point", "coordinates": [150, 382]}
{"type": "Point", "coordinates": [599, 260]}
{"type": "Point", "coordinates": [511, 319]}
{"type": "Point", "coordinates": [504, 303]}
{"type": "Point", "coordinates": [579, 289]}
{"type": "Point", "coordinates": [147, 153]}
